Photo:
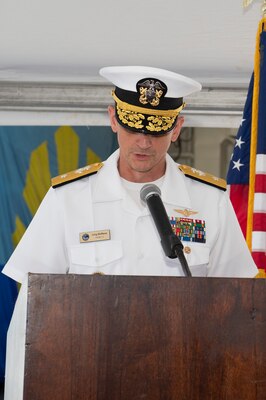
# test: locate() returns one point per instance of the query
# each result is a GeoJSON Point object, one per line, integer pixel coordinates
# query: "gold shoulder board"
{"type": "Point", "coordinates": [76, 174]}
{"type": "Point", "coordinates": [203, 177]}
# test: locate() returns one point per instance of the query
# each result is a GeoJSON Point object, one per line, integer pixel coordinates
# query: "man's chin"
{"type": "Point", "coordinates": [141, 168]}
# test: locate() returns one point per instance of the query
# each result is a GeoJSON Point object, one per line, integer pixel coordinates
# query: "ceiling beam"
{"type": "Point", "coordinates": [45, 103]}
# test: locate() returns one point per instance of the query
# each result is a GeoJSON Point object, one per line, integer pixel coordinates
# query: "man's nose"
{"type": "Point", "coordinates": [144, 141]}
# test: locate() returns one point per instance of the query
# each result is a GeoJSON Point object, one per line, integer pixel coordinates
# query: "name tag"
{"type": "Point", "coordinates": [95, 236]}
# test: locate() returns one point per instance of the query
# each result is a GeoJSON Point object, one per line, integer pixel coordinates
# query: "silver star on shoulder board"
{"type": "Point", "coordinates": [198, 172]}
{"type": "Point", "coordinates": [80, 170]}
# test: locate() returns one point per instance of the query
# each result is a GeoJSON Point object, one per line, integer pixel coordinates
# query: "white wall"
{"type": "Point", "coordinates": [208, 154]}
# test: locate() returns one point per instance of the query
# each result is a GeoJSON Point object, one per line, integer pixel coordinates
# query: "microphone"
{"type": "Point", "coordinates": [172, 246]}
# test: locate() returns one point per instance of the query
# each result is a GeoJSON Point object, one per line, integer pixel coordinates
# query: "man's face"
{"type": "Point", "coordinates": [142, 156]}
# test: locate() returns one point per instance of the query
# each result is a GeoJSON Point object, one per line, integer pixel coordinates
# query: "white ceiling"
{"type": "Point", "coordinates": [69, 40]}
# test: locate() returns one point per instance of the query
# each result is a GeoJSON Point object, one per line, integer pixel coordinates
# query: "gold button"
{"type": "Point", "coordinates": [187, 250]}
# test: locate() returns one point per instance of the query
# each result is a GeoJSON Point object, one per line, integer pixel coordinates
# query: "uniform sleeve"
{"type": "Point", "coordinates": [230, 256]}
{"type": "Point", "coordinates": [42, 247]}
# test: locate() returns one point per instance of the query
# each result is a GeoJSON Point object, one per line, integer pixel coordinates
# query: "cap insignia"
{"type": "Point", "coordinates": [151, 91]}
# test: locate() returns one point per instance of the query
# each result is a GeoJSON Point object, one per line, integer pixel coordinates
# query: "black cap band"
{"type": "Point", "coordinates": [166, 103]}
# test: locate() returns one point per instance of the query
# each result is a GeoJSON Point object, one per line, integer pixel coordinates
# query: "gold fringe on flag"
{"type": "Point", "coordinates": [261, 274]}
{"type": "Point", "coordinates": [246, 3]}
{"type": "Point", "coordinates": [263, 8]}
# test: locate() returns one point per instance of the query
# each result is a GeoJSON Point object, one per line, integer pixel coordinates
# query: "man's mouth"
{"type": "Point", "coordinates": [142, 156]}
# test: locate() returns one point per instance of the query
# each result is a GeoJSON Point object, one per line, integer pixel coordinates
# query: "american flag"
{"type": "Point", "coordinates": [247, 170]}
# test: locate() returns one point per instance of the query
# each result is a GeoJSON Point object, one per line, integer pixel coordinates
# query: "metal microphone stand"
{"type": "Point", "coordinates": [173, 248]}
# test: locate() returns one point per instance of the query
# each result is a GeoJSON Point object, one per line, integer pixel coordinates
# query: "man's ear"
{"type": "Point", "coordinates": [177, 129]}
{"type": "Point", "coordinates": [113, 120]}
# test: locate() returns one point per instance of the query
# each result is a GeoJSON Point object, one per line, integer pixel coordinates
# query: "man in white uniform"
{"type": "Point", "coordinates": [93, 221]}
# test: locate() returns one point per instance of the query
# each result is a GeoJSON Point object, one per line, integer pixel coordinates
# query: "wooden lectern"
{"type": "Point", "coordinates": [92, 337]}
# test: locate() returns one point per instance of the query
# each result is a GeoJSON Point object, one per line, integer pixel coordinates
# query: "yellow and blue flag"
{"type": "Point", "coordinates": [29, 157]}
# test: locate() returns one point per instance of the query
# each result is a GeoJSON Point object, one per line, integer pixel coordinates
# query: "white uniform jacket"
{"type": "Point", "coordinates": [99, 202]}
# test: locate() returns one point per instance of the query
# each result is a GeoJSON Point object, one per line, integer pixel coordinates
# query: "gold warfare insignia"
{"type": "Point", "coordinates": [151, 91]}
{"type": "Point", "coordinates": [186, 212]}
{"type": "Point", "coordinates": [246, 3]}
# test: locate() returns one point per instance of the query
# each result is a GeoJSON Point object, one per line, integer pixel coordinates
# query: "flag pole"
{"type": "Point", "coordinates": [254, 129]}
{"type": "Point", "coordinates": [263, 8]}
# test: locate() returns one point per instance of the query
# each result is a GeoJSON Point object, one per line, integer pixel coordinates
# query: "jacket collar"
{"type": "Point", "coordinates": [174, 189]}
{"type": "Point", "coordinates": [108, 186]}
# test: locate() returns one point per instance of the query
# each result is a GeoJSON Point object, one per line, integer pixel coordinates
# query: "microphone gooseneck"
{"type": "Point", "coordinates": [172, 246]}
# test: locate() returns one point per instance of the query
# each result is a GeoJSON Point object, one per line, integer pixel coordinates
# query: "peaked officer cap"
{"type": "Point", "coordinates": [148, 100]}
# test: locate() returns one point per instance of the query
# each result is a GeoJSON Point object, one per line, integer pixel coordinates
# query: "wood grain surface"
{"type": "Point", "coordinates": [145, 338]}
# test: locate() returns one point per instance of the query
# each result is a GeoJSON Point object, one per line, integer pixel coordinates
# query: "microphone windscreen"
{"type": "Point", "coordinates": [148, 190]}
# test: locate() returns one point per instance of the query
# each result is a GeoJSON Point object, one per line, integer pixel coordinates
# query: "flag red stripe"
{"type": "Point", "coordinates": [259, 258]}
{"type": "Point", "coordinates": [239, 199]}
{"type": "Point", "coordinates": [259, 222]}
{"type": "Point", "coordinates": [260, 183]}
